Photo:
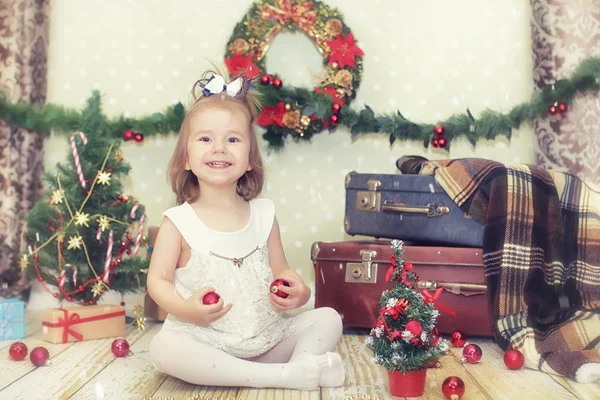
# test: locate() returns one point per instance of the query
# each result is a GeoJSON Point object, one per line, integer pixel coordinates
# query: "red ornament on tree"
{"type": "Point", "coordinates": [120, 347]}
{"type": "Point", "coordinates": [435, 142]}
{"type": "Point", "coordinates": [471, 354]}
{"type": "Point", "coordinates": [274, 289]}
{"type": "Point", "coordinates": [513, 359]}
{"type": "Point", "coordinates": [17, 351]}
{"type": "Point", "coordinates": [277, 83]}
{"type": "Point", "coordinates": [414, 327]}
{"type": "Point", "coordinates": [265, 79]}
{"type": "Point", "coordinates": [439, 130]}
{"type": "Point", "coordinates": [139, 137]}
{"type": "Point", "coordinates": [562, 107]}
{"type": "Point", "coordinates": [334, 119]}
{"type": "Point", "coordinates": [210, 298]}
{"type": "Point", "coordinates": [458, 339]}
{"type": "Point", "coordinates": [453, 387]}
{"type": "Point", "coordinates": [39, 356]}
{"type": "Point", "coordinates": [128, 135]}
{"type": "Point", "coordinates": [442, 142]}
{"type": "Point", "coordinates": [336, 108]}
{"type": "Point", "coordinates": [553, 110]}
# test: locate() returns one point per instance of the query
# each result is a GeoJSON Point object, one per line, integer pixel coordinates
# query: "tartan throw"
{"type": "Point", "coordinates": [541, 250]}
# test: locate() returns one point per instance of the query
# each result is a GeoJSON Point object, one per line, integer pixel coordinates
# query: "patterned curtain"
{"type": "Point", "coordinates": [565, 32]}
{"type": "Point", "coordinates": [24, 29]}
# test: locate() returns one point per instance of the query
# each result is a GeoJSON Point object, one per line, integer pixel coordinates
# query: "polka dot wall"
{"type": "Point", "coordinates": [427, 58]}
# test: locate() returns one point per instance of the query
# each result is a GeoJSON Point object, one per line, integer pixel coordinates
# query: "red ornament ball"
{"type": "Point", "coordinates": [442, 142]}
{"type": "Point", "coordinates": [435, 142]}
{"type": "Point", "coordinates": [562, 107]}
{"type": "Point", "coordinates": [277, 83]}
{"type": "Point", "coordinates": [17, 351]}
{"type": "Point", "coordinates": [439, 130]}
{"type": "Point", "coordinates": [458, 339]}
{"type": "Point", "coordinates": [414, 327]}
{"type": "Point", "coordinates": [336, 108]}
{"type": "Point", "coordinates": [120, 347]}
{"type": "Point", "coordinates": [139, 137]}
{"type": "Point", "coordinates": [553, 110]}
{"type": "Point", "coordinates": [274, 287]}
{"type": "Point", "coordinates": [453, 387]}
{"type": "Point", "coordinates": [513, 359]}
{"type": "Point", "coordinates": [334, 119]}
{"type": "Point", "coordinates": [265, 79]}
{"type": "Point", "coordinates": [471, 354]}
{"type": "Point", "coordinates": [210, 298]}
{"type": "Point", "coordinates": [128, 135]}
{"type": "Point", "coordinates": [39, 356]}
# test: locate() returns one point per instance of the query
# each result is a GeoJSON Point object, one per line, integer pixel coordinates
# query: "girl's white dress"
{"type": "Point", "coordinates": [252, 326]}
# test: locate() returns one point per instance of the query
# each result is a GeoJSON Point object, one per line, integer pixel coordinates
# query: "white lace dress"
{"type": "Point", "coordinates": [252, 326]}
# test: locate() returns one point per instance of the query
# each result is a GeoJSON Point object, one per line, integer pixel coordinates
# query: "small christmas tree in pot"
{"type": "Point", "coordinates": [404, 339]}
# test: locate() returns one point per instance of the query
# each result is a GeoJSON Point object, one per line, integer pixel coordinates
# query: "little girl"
{"type": "Point", "coordinates": [223, 239]}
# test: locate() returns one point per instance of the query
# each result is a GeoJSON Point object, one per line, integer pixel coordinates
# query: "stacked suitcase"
{"type": "Point", "coordinates": [439, 240]}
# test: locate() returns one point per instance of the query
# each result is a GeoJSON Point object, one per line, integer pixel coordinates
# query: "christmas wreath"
{"type": "Point", "coordinates": [288, 111]}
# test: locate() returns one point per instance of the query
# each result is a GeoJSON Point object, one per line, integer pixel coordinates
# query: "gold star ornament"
{"type": "Point", "coordinates": [103, 223]}
{"type": "Point", "coordinates": [75, 242]}
{"type": "Point", "coordinates": [23, 262]}
{"type": "Point", "coordinates": [98, 288]}
{"type": "Point", "coordinates": [82, 219]}
{"type": "Point", "coordinates": [57, 197]}
{"type": "Point", "coordinates": [104, 177]}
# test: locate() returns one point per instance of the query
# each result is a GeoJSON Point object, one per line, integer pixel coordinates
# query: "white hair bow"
{"type": "Point", "coordinates": [217, 85]}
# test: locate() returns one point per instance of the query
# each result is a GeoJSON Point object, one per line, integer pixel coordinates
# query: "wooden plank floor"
{"type": "Point", "coordinates": [88, 370]}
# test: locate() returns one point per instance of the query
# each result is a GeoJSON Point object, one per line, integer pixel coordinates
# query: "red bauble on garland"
{"type": "Point", "coordinates": [274, 287]}
{"type": "Point", "coordinates": [435, 142]}
{"type": "Point", "coordinates": [458, 339]}
{"type": "Point", "coordinates": [139, 137]}
{"type": "Point", "coordinates": [442, 142]}
{"type": "Point", "coordinates": [453, 387]}
{"type": "Point", "coordinates": [334, 119]}
{"type": "Point", "coordinates": [277, 83]}
{"type": "Point", "coordinates": [39, 356]}
{"type": "Point", "coordinates": [513, 359]}
{"type": "Point", "coordinates": [210, 298]}
{"type": "Point", "coordinates": [471, 354]}
{"type": "Point", "coordinates": [120, 347]}
{"type": "Point", "coordinates": [17, 351]}
{"type": "Point", "coordinates": [266, 79]}
{"type": "Point", "coordinates": [439, 130]}
{"type": "Point", "coordinates": [128, 135]}
{"type": "Point", "coordinates": [336, 108]}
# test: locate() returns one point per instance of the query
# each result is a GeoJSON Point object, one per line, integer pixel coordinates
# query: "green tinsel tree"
{"type": "Point", "coordinates": [404, 337]}
{"type": "Point", "coordinates": [70, 231]}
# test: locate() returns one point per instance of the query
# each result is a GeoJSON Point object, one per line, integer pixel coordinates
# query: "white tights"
{"type": "Point", "coordinates": [304, 360]}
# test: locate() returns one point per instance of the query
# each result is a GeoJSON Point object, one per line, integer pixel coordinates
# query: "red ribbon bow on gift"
{"type": "Point", "coordinates": [75, 319]}
{"type": "Point", "coordinates": [432, 298]}
{"type": "Point", "coordinates": [300, 13]}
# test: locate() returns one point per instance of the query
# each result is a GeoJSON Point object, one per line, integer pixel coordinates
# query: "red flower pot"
{"type": "Point", "coordinates": [407, 384]}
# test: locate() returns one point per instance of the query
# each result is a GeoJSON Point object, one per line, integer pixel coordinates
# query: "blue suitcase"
{"type": "Point", "coordinates": [413, 208]}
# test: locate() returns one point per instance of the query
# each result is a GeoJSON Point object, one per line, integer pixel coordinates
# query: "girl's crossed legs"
{"type": "Point", "coordinates": [304, 360]}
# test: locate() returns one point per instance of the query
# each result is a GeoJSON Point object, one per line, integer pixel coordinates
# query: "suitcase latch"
{"type": "Point", "coordinates": [369, 200]}
{"type": "Point", "coordinates": [363, 272]}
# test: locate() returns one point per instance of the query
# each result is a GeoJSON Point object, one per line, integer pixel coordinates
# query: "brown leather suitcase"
{"type": "Point", "coordinates": [350, 277]}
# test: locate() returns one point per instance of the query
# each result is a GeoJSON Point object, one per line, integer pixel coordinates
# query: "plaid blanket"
{"type": "Point", "coordinates": [541, 250]}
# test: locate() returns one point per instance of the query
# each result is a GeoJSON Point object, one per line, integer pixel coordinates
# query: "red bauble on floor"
{"type": "Point", "coordinates": [458, 339]}
{"type": "Point", "coordinates": [513, 359]}
{"type": "Point", "coordinates": [17, 351]}
{"type": "Point", "coordinates": [120, 347]}
{"type": "Point", "coordinates": [453, 387]}
{"type": "Point", "coordinates": [39, 356]}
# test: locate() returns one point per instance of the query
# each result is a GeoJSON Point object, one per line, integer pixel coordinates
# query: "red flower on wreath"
{"type": "Point", "coordinates": [272, 115]}
{"type": "Point", "coordinates": [344, 50]}
{"type": "Point", "coordinates": [239, 65]}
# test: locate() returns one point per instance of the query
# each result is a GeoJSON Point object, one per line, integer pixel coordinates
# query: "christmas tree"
{"type": "Point", "coordinates": [83, 238]}
{"type": "Point", "coordinates": [404, 337]}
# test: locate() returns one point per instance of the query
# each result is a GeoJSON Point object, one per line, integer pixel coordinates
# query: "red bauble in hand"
{"type": "Point", "coordinates": [210, 298]}
{"type": "Point", "coordinates": [274, 289]}
{"type": "Point", "coordinates": [471, 354]}
{"type": "Point", "coordinates": [120, 347]}
{"type": "Point", "coordinates": [453, 387]}
{"type": "Point", "coordinates": [39, 356]}
{"type": "Point", "coordinates": [458, 339]}
{"type": "Point", "coordinates": [513, 359]}
{"type": "Point", "coordinates": [17, 351]}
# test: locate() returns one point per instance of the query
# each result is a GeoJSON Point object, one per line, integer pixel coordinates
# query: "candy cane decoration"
{"type": "Point", "coordinates": [138, 238]}
{"type": "Point", "coordinates": [106, 274]}
{"type": "Point", "coordinates": [76, 156]}
{"type": "Point", "coordinates": [62, 277]}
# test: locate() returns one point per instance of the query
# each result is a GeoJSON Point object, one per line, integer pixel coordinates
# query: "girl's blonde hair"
{"type": "Point", "coordinates": [183, 182]}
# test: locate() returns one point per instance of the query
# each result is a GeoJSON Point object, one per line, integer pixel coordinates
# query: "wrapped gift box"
{"type": "Point", "coordinates": [12, 319]}
{"type": "Point", "coordinates": [151, 309]}
{"type": "Point", "coordinates": [62, 325]}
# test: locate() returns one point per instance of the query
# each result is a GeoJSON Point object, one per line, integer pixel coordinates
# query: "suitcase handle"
{"type": "Point", "coordinates": [431, 209]}
{"type": "Point", "coordinates": [451, 285]}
